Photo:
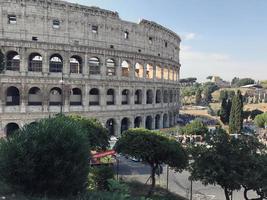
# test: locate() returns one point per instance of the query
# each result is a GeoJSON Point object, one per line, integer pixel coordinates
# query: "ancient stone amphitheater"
{"type": "Point", "coordinates": [68, 58]}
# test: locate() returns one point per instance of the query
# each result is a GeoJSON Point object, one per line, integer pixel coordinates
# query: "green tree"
{"type": "Point", "coordinates": [254, 113]}
{"type": "Point", "coordinates": [208, 89]}
{"type": "Point", "coordinates": [223, 95]}
{"type": "Point", "coordinates": [154, 149]}
{"type": "Point", "coordinates": [98, 136]}
{"type": "Point", "coordinates": [234, 81]}
{"type": "Point", "coordinates": [198, 97]}
{"type": "Point", "coordinates": [49, 157]}
{"type": "Point", "coordinates": [2, 61]}
{"type": "Point", "coordinates": [236, 114]}
{"type": "Point", "coordinates": [261, 120]}
{"type": "Point", "coordinates": [224, 111]}
{"type": "Point", "coordinates": [245, 81]}
{"type": "Point", "coordinates": [196, 127]}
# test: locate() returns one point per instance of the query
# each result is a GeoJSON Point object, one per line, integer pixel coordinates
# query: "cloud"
{"type": "Point", "coordinates": [190, 36]}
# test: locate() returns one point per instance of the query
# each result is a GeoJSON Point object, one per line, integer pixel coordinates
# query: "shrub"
{"type": "Point", "coordinates": [100, 176]}
{"type": "Point", "coordinates": [47, 158]}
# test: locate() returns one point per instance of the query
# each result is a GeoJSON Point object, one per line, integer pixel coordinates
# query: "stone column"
{"type": "Point", "coordinates": [66, 97]}
{"type": "Point", "coordinates": [23, 98]}
{"type": "Point", "coordinates": [85, 66]}
{"type": "Point", "coordinates": [144, 96]}
{"type": "Point", "coordinates": [66, 64]}
{"type": "Point", "coordinates": [103, 97]}
{"type": "Point", "coordinates": [86, 98]}
{"type": "Point", "coordinates": [2, 98]}
{"type": "Point", "coordinates": [103, 67]}
{"type": "Point", "coordinates": [45, 63]}
{"type": "Point", "coordinates": [118, 96]}
{"type": "Point", "coordinates": [118, 68]}
{"type": "Point", "coordinates": [45, 99]}
{"type": "Point", "coordinates": [23, 62]}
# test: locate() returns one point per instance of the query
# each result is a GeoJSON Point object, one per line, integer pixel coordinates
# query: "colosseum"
{"type": "Point", "coordinates": [67, 58]}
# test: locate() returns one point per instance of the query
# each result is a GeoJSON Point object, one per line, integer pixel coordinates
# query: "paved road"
{"type": "Point", "coordinates": [178, 182]}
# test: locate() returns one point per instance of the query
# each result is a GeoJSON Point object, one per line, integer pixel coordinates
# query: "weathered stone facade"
{"type": "Point", "coordinates": [63, 57]}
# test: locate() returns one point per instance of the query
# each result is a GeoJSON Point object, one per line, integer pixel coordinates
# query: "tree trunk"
{"type": "Point", "coordinates": [246, 194]}
{"type": "Point", "coordinates": [227, 194]}
{"type": "Point", "coordinates": [153, 179]}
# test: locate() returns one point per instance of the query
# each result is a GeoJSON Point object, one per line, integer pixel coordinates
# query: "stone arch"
{"type": "Point", "coordinates": [110, 97]}
{"type": "Point", "coordinates": [35, 97]}
{"type": "Point", "coordinates": [111, 125]}
{"type": "Point", "coordinates": [138, 97]}
{"type": "Point", "coordinates": [158, 96]}
{"type": "Point", "coordinates": [76, 64]}
{"type": "Point", "coordinates": [111, 67]}
{"type": "Point", "coordinates": [165, 97]}
{"type": "Point", "coordinates": [125, 97]}
{"type": "Point", "coordinates": [139, 70]}
{"type": "Point", "coordinates": [149, 122]}
{"type": "Point", "coordinates": [94, 66]}
{"type": "Point", "coordinates": [125, 124]}
{"type": "Point", "coordinates": [12, 96]}
{"type": "Point", "coordinates": [35, 62]}
{"type": "Point", "coordinates": [94, 97]}
{"type": "Point", "coordinates": [12, 61]}
{"type": "Point", "coordinates": [138, 122]}
{"type": "Point", "coordinates": [157, 121]}
{"type": "Point", "coordinates": [76, 97]}
{"type": "Point", "coordinates": [149, 96]}
{"type": "Point", "coordinates": [165, 121]}
{"type": "Point", "coordinates": [125, 68]}
{"type": "Point", "coordinates": [56, 63]}
{"type": "Point", "coordinates": [55, 97]}
{"type": "Point", "coordinates": [11, 128]}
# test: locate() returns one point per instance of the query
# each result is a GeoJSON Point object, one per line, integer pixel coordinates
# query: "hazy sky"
{"type": "Point", "coordinates": [219, 37]}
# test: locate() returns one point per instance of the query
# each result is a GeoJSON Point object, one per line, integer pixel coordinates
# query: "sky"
{"type": "Point", "coordinates": [226, 38]}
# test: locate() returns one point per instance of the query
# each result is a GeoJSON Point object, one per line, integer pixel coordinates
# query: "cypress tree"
{"type": "Point", "coordinates": [224, 116]}
{"type": "Point", "coordinates": [236, 114]}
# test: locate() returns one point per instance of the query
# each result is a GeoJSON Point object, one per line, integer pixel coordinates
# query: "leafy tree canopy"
{"type": "Point", "coordinates": [261, 120]}
{"type": "Point", "coordinates": [196, 127]}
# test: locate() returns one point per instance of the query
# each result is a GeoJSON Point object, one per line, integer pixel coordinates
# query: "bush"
{"type": "Point", "coordinates": [47, 158]}
{"type": "Point", "coordinates": [100, 176]}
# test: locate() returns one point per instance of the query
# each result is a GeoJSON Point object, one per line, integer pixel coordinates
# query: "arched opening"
{"type": "Point", "coordinates": [170, 119]}
{"type": "Point", "coordinates": [94, 66]}
{"type": "Point", "coordinates": [35, 97]}
{"type": "Point", "coordinates": [165, 121]}
{"type": "Point", "coordinates": [165, 96]}
{"type": "Point", "coordinates": [166, 73]}
{"type": "Point", "coordinates": [139, 70]}
{"type": "Point", "coordinates": [138, 97]}
{"type": "Point", "coordinates": [11, 128]}
{"type": "Point", "coordinates": [149, 71]}
{"type": "Point", "coordinates": [76, 65]}
{"type": "Point", "coordinates": [12, 96]}
{"type": "Point", "coordinates": [111, 67]}
{"type": "Point", "coordinates": [55, 97]}
{"type": "Point", "coordinates": [158, 72]}
{"type": "Point", "coordinates": [125, 124]}
{"type": "Point", "coordinates": [125, 68]}
{"type": "Point", "coordinates": [55, 63]}
{"type": "Point", "coordinates": [94, 98]}
{"type": "Point", "coordinates": [13, 61]}
{"type": "Point", "coordinates": [158, 96]}
{"type": "Point", "coordinates": [149, 122]}
{"type": "Point", "coordinates": [137, 122]}
{"type": "Point", "coordinates": [171, 74]}
{"type": "Point", "coordinates": [35, 62]}
{"type": "Point", "coordinates": [149, 96]}
{"type": "Point", "coordinates": [125, 99]}
{"type": "Point", "coordinates": [76, 97]}
{"type": "Point", "coordinates": [157, 122]}
{"type": "Point", "coordinates": [171, 96]}
{"type": "Point", "coordinates": [111, 126]}
{"type": "Point", "coordinates": [110, 97]}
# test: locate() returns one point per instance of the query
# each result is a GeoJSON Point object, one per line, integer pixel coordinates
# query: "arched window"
{"type": "Point", "coordinates": [138, 97]}
{"type": "Point", "coordinates": [170, 119]}
{"type": "Point", "coordinates": [125, 124]}
{"type": "Point", "coordinates": [12, 96]}
{"type": "Point", "coordinates": [165, 97]}
{"type": "Point", "coordinates": [158, 96]}
{"type": "Point", "coordinates": [157, 122]}
{"type": "Point", "coordinates": [149, 96]}
{"type": "Point", "coordinates": [56, 63]}
{"type": "Point", "coordinates": [76, 97]}
{"type": "Point", "coordinates": [110, 97]}
{"type": "Point", "coordinates": [12, 61]}
{"type": "Point", "coordinates": [149, 122]}
{"type": "Point", "coordinates": [158, 72]}
{"type": "Point", "coordinates": [111, 126]}
{"type": "Point", "coordinates": [139, 70]}
{"type": "Point", "coordinates": [111, 67]}
{"type": "Point", "coordinates": [11, 128]}
{"type": "Point", "coordinates": [149, 71]}
{"type": "Point", "coordinates": [137, 122]}
{"type": "Point", "coordinates": [35, 62]}
{"type": "Point", "coordinates": [125, 97]}
{"type": "Point", "coordinates": [125, 68]}
{"type": "Point", "coordinates": [94, 66]}
{"type": "Point", "coordinates": [76, 65]}
{"type": "Point", "coordinates": [166, 73]}
{"type": "Point", "coordinates": [35, 97]}
{"type": "Point", "coordinates": [94, 98]}
{"type": "Point", "coordinates": [165, 121]}
{"type": "Point", "coordinates": [171, 96]}
{"type": "Point", "coordinates": [171, 74]}
{"type": "Point", "coordinates": [55, 97]}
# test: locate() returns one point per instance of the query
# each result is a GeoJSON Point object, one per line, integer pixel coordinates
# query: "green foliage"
{"type": "Point", "coordinates": [49, 157]}
{"type": "Point", "coordinates": [2, 61]}
{"type": "Point", "coordinates": [254, 113]}
{"type": "Point", "coordinates": [223, 95]}
{"type": "Point", "coordinates": [209, 77]}
{"type": "Point", "coordinates": [208, 89]}
{"type": "Point", "coordinates": [188, 81]}
{"type": "Point", "coordinates": [225, 111]}
{"type": "Point", "coordinates": [261, 120]}
{"type": "Point", "coordinates": [236, 114]}
{"type": "Point", "coordinates": [237, 82]}
{"type": "Point", "coordinates": [153, 148]}
{"type": "Point", "coordinates": [97, 135]}
{"type": "Point", "coordinates": [198, 97]}
{"type": "Point", "coordinates": [196, 127]}
{"type": "Point", "coordinates": [100, 176]}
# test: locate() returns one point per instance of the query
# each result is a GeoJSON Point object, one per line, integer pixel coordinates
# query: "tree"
{"type": "Point", "coordinates": [98, 136]}
{"type": "Point", "coordinates": [153, 148]}
{"type": "Point", "coordinates": [217, 164]}
{"type": "Point", "coordinates": [223, 95]}
{"type": "Point", "coordinates": [198, 97]}
{"type": "Point", "coordinates": [261, 120]}
{"type": "Point", "coordinates": [196, 127]}
{"type": "Point", "coordinates": [236, 114]}
{"type": "Point", "coordinates": [209, 77]}
{"type": "Point", "coordinates": [245, 81]}
{"type": "Point", "coordinates": [234, 81]}
{"type": "Point", "coordinates": [2, 61]}
{"type": "Point", "coordinates": [224, 112]}
{"type": "Point", "coordinates": [208, 89]}
{"type": "Point", "coordinates": [254, 113]}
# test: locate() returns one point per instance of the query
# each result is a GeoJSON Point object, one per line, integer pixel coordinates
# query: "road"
{"type": "Point", "coordinates": [178, 182]}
